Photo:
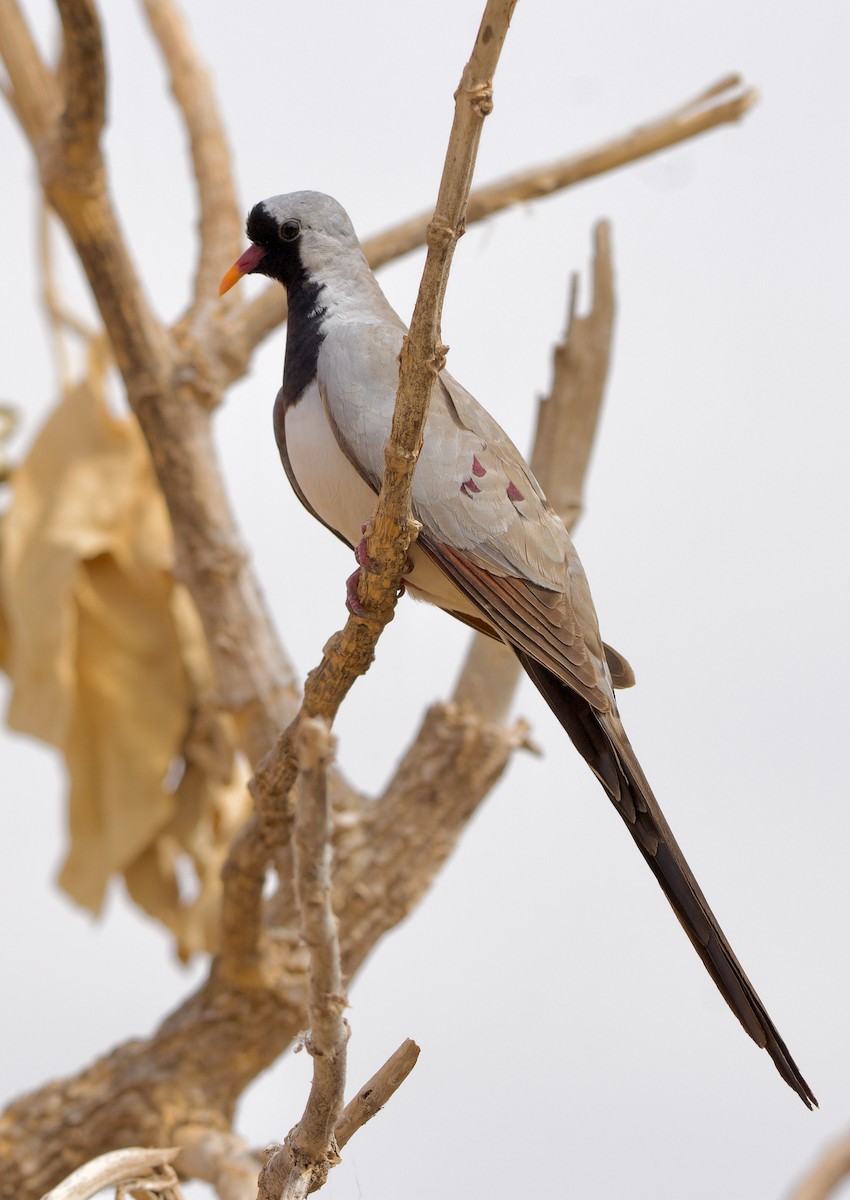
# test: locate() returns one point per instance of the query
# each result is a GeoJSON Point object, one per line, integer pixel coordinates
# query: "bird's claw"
{"type": "Point", "coordinates": [361, 553]}
{"type": "Point", "coordinates": [352, 600]}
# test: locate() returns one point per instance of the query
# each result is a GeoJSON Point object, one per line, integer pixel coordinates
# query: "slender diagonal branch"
{"type": "Point", "coordinates": [84, 87]}
{"type": "Point", "coordinates": [302, 1163]}
{"type": "Point", "coordinates": [377, 1091]}
{"type": "Point", "coordinates": [137, 1165]}
{"type": "Point", "coordinates": [220, 223]}
{"type": "Point", "coordinates": [722, 103]}
{"type": "Point", "coordinates": [35, 97]}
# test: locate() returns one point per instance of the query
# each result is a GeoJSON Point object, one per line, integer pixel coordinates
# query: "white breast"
{"type": "Point", "coordinates": [336, 492]}
{"type": "Point", "coordinates": [332, 486]}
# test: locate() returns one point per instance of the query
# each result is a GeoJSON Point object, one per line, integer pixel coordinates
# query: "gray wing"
{"type": "Point", "coordinates": [485, 519]}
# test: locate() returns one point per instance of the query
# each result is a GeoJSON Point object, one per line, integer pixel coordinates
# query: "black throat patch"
{"type": "Point", "coordinates": [304, 337]}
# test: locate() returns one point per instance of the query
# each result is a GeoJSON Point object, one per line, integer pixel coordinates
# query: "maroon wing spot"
{"type": "Point", "coordinates": [514, 493]}
{"type": "Point", "coordinates": [477, 469]}
{"type": "Point", "coordinates": [469, 486]}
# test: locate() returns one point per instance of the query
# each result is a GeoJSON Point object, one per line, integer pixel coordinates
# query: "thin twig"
{"type": "Point", "coordinates": [374, 1095]}
{"type": "Point", "coordinates": [35, 97]}
{"type": "Point", "coordinates": [720, 104]}
{"type": "Point", "coordinates": [59, 318]}
{"type": "Point", "coordinates": [303, 1162]}
{"type": "Point", "coordinates": [116, 1168]}
{"type": "Point", "coordinates": [220, 219]}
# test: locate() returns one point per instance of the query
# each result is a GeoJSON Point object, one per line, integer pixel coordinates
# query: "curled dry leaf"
{"type": "Point", "coordinates": [108, 663]}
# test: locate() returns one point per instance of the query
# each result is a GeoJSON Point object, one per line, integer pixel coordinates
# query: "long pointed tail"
{"type": "Point", "coordinates": [602, 741]}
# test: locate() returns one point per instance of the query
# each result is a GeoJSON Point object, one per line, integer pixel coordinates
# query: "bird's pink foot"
{"type": "Point", "coordinates": [352, 600]}
{"type": "Point", "coordinates": [362, 554]}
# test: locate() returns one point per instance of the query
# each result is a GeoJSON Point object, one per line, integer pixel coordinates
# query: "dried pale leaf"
{"type": "Point", "coordinates": [109, 662]}
{"type": "Point", "coordinates": [85, 488]}
{"type": "Point", "coordinates": [177, 879]}
{"type": "Point", "coordinates": [127, 724]}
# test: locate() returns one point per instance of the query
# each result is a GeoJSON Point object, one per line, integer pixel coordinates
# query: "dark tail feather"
{"type": "Point", "coordinates": [602, 742]}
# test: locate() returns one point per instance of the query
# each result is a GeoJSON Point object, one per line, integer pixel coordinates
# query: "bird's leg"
{"type": "Point", "coordinates": [361, 553]}
{"type": "Point", "coordinates": [352, 600]}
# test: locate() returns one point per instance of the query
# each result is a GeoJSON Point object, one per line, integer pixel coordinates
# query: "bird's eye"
{"type": "Point", "coordinates": [290, 230]}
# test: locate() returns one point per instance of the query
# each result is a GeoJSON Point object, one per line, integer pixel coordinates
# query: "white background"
{"type": "Point", "coordinates": [572, 1044]}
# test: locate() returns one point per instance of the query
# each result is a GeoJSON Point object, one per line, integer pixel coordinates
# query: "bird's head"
{"type": "Point", "coordinates": [292, 237]}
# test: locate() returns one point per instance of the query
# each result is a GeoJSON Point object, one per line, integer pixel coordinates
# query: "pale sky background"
{"type": "Point", "coordinates": [572, 1043]}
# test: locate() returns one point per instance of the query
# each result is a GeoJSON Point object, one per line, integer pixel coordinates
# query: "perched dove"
{"type": "Point", "coordinates": [491, 551]}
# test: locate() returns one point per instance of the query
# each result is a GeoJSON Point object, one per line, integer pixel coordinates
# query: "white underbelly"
{"type": "Point", "coordinates": [336, 492]}
{"type": "Point", "coordinates": [333, 488]}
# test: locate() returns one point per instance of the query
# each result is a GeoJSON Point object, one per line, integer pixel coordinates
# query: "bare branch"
{"type": "Point", "coordinates": [823, 1179]}
{"type": "Point", "coordinates": [568, 419]}
{"type": "Point", "coordinates": [328, 1036]}
{"type": "Point", "coordinates": [310, 1150]}
{"type": "Point", "coordinates": [34, 95]}
{"type": "Point", "coordinates": [73, 181]}
{"type": "Point", "coordinates": [374, 1095]}
{"type": "Point", "coordinates": [242, 877]}
{"type": "Point", "coordinates": [724, 102]}
{"type": "Point", "coordinates": [220, 223]}
{"type": "Point", "coordinates": [59, 318]}
{"type": "Point", "coordinates": [719, 104]}
{"type": "Point", "coordinates": [84, 87]}
{"type": "Point", "coordinates": [566, 427]}
{"type": "Point", "coordinates": [120, 1167]}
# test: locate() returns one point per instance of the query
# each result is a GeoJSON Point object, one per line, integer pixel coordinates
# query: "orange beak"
{"type": "Point", "coordinates": [249, 262]}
